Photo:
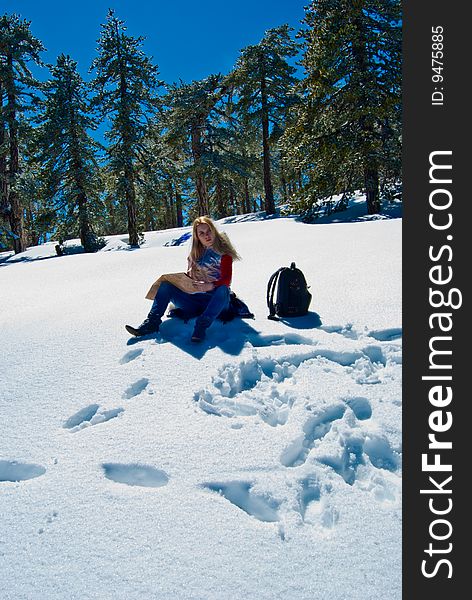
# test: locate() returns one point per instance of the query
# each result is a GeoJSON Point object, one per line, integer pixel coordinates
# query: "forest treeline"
{"type": "Point", "coordinates": [256, 138]}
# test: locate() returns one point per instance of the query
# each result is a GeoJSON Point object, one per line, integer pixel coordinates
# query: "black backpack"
{"type": "Point", "coordinates": [292, 298]}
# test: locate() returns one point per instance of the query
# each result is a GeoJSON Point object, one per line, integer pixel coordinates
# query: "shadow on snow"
{"type": "Point", "coordinates": [230, 337]}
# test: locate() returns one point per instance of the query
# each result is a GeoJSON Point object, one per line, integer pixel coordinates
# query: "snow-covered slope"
{"type": "Point", "coordinates": [264, 463]}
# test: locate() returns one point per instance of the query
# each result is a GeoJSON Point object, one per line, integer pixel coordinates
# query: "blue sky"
{"type": "Point", "coordinates": [188, 39]}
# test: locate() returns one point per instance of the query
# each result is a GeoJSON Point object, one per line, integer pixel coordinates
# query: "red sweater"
{"type": "Point", "coordinates": [226, 271]}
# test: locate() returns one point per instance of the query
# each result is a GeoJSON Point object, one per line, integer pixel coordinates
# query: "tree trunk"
{"type": "Point", "coordinates": [234, 201]}
{"type": "Point", "coordinates": [202, 194]}
{"type": "Point", "coordinates": [16, 223]}
{"type": "Point", "coordinates": [167, 216]}
{"type": "Point", "coordinates": [247, 199]}
{"type": "Point", "coordinates": [283, 177]}
{"type": "Point", "coordinates": [178, 208]}
{"type": "Point", "coordinates": [4, 208]}
{"type": "Point", "coordinates": [200, 184]}
{"type": "Point", "coordinates": [33, 234]}
{"type": "Point", "coordinates": [148, 220]}
{"type": "Point", "coordinates": [88, 239]}
{"type": "Point", "coordinates": [171, 206]}
{"type": "Point", "coordinates": [87, 235]}
{"type": "Point", "coordinates": [130, 191]}
{"type": "Point", "coordinates": [130, 194]}
{"type": "Point", "coordinates": [112, 219]}
{"type": "Point", "coordinates": [371, 182]}
{"type": "Point", "coordinates": [284, 188]}
{"type": "Point", "coordinates": [269, 193]}
{"type": "Point", "coordinates": [16, 211]}
{"type": "Point", "coordinates": [371, 174]}
{"type": "Point", "coordinates": [219, 200]}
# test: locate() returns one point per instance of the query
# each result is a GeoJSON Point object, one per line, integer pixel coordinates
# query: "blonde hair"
{"type": "Point", "coordinates": [222, 244]}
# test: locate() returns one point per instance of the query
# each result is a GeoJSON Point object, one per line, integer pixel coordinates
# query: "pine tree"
{"type": "Point", "coordinates": [191, 121]}
{"type": "Point", "coordinates": [115, 219]}
{"type": "Point", "coordinates": [126, 86]}
{"type": "Point", "coordinates": [264, 80]}
{"type": "Point", "coordinates": [158, 177]}
{"type": "Point", "coordinates": [18, 48]}
{"type": "Point", "coordinates": [235, 166]}
{"type": "Point", "coordinates": [347, 131]}
{"type": "Point", "coordinates": [38, 216]}
{"type": "Point", "coordinates": [68, 152]}
{"type": "Point", "coordinates": [246, 143]}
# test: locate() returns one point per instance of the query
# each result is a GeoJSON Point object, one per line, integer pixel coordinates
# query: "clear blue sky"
{"type": "Point", "coordinates": [188, 39]}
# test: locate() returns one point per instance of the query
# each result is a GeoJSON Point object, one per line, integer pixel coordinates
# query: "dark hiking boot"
{"type": "Point", "coordinates": [147, 326]}
{"type": "Point", "coordinates": [199, 332]}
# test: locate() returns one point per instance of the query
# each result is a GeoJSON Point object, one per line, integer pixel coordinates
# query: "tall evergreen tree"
{"type": "Point", "coordinates": [39, 217]}
{"type": "Point", "coordinates": [264, 80]}
{"type": "Point", "coordinates": [160, 181]}
{"type": "Point", "coordinates": [126, 86]}
{"type": "Point", "coordinates": [347, 132]}
{"type": "Point", "coordinates": [192, 120]}
{"type": "Point", "coordinates": [18, 48]}
{"type": "Point", "coordinates": [115, 219]}
{"type": "Point", "coordinates": [234, 163]}
{"type": "Point", "coordinates": [67, 151]}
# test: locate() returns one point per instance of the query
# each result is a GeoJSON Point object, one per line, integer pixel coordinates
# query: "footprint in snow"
{"type": "Point", "coordinates": [319, 425]}
{"type": "Point", "coordinates": [313, 505]}
{"type": "Point", "coordinates": [251, 387]}
{"type": "Point", "coordinates": [262, 507]}
{"type": "Point", "coordinates": [360, 407]}
{"type": "Point", "coordinates": [348, 461]}
{"type": "Point", "coordinates": [309, 492]}
{"type": "Point", "coordinates": [81, 416]}
{"type": "Point", "coordinates": [11, 470]}
{"type": "Point", "coordinates": [344, 330]}
{"type": "Point", "coordinates": [287, 339]}
{"type": "Point", "coordinates": [131, 355]}
{"type": "Point", "coordinates": [386, 335]}
{"type": "Point", "coordinates": [89, 416]}
{"type": "Point", "coordinates": [135, 474]}
{"type": "Point", "coordinates": [354, 449]}
{"type": "Point", "coordinates": [381, 454]}
{"type": "Point", "coordinates": [136, 388]}
{"type": "Point", "coordinates": [314, 429]}
{"type": "Point", "coordinates": [256, 386]}
{"type": "Point", "coordinates": [381, 335]}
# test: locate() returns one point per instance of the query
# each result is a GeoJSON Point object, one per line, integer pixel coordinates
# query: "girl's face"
{"type": "Point", "coordinates": [205, 235]}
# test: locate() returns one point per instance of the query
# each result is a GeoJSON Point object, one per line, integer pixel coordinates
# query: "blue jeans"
{"type": "Point", "coordinates": [206, 304]}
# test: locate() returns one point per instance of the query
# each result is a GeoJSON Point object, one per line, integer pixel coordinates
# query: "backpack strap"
{"type": "Point", "coordinates": [270, 294]}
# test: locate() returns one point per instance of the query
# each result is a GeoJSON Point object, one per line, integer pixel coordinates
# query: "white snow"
{"type": "Point", "coordinates": [264, 463]}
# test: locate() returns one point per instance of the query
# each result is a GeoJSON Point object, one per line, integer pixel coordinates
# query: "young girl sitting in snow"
{"type": "Point", "coordinates": [210, 267]}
